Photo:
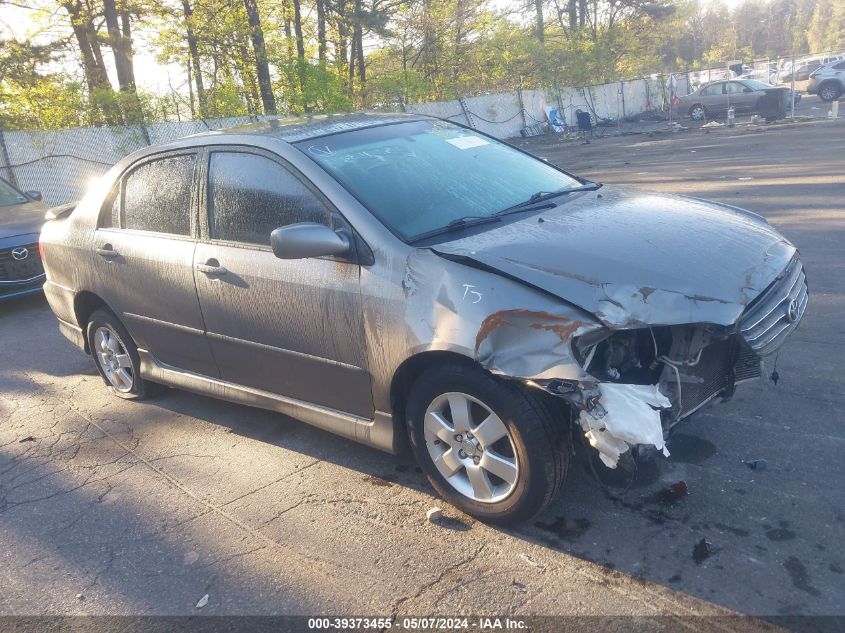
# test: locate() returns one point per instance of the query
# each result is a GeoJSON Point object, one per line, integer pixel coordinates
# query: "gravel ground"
{"type": "Point", "coordinates": [115, 507]}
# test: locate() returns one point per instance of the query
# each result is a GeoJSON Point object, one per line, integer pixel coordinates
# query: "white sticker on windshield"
{"type": "Point", "coordinates": [465, 142]}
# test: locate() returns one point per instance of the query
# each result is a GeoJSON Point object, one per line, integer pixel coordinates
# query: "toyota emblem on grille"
{"type": "Point", "coordinates": [20, 253]}
{"type": "Point", "coordinates": [792, 311]}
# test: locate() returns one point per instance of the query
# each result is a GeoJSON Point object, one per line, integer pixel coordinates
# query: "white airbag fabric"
{"type": "Point", "coordinates": [631, 416]}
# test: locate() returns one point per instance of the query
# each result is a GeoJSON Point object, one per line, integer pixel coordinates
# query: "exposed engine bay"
{"type": "Point", "coordinates": [649, 379]}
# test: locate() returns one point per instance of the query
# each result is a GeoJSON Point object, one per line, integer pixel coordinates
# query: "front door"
{"type": "Point", "coordinates": [290, 327]}
{"type": "Point", "coordinates": [739, 98]}
{"type": "Point", "coordinates": [144, 253]}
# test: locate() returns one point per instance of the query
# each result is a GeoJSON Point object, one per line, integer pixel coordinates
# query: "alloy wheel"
{"type": "Point", "coordinates": [113, 359]}
{"type": "Point", "coordinates": [471, 447]}
{"type": "Point", "coordinates": [828, 93]}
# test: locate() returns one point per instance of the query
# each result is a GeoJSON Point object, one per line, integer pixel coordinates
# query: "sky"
{"type": "Point", "coordinates": [151, 76]}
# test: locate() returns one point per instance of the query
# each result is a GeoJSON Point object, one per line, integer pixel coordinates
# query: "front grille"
{"type": "Point", "coordinates": [14, 270]}
{"type": "Point", "coordinates": [770, 318]}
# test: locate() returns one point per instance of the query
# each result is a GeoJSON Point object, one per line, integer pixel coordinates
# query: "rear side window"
{"type": "Point", "coordinates": [250, 196]}
{"type": "Point", "coordinates": [157, 196]}
{"type": "Point", "coordinates": [709, 91]}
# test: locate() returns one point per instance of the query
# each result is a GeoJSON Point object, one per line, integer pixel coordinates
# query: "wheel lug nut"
{"type": "Point", "coordinates": [459, 437]}
{"type": "Point", "coordinates": [462, 454]}
{"type": "Point", "coordinates": [476, 460]}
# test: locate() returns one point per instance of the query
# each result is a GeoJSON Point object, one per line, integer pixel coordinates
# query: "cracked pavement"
{"type": "Point", "coordinates": [116, 507]}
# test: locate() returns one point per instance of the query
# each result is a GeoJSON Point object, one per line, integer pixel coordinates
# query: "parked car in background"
{"type": "Point", "coordinates": [21, 218]}
{"type": "Point", "coordinates": [828, 81]}
{"type": "Point", "coordinates": [744, 95]}
{"type": "Point", "coordinates": [805, 67]}
{"type": "Point", "coordinates": [382, 276]}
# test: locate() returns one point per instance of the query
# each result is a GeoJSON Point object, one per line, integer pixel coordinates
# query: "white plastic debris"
{"type": "Point", "coordinates": [712, 124]}
{"type": "Point", "coordinates": [631, 416]}
{"type": "Point", "coordinates": [203, 601]}
{"type": "Point", "coordinates": [434, 514]}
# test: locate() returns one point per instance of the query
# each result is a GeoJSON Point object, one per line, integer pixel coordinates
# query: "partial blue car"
{"type": "Point", "coordinates": [21, 219]}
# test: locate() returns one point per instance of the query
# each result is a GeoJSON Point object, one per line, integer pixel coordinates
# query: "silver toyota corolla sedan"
{"type": "Point", "coordinates": [384, 276]}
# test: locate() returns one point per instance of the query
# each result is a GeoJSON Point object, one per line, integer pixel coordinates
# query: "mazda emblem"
{"type": "Point", "coordinates": [792, 311]}
{"type": "Point", "coordinates": [20, 253]}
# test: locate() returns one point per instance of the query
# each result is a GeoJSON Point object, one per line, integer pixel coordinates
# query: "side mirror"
{"type": "Point", "coordinates": [35, 195]}
{"type": "Point", "coordinates": [308, 239]}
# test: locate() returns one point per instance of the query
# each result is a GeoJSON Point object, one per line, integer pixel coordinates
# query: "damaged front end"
{"type": "Point", "coordinates": [649, 379]}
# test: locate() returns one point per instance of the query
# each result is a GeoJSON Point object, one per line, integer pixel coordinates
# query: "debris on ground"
{"type": "Point", "coordinates": [203, 601]}
{"type": "Point", "coordinates": [674, 492]}
{"type": "Point", "coordinates": [712, 125]}
{"type": "Point", "coordinates": [528, 560]}
{"type": "Point", "coordinates": [702, 551]}
{"type": "Point", "coordinates": [29, 438]}
{"type": "Point", "coordinates": [756, 464]}
{"type": "Point", "coordinates": [434, 515]}
{"type": "Point", "coordinates": [80, 597]}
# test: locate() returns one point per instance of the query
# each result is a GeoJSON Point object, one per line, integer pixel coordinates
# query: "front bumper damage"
{"type": "Point", "coordinates": [639, 383]}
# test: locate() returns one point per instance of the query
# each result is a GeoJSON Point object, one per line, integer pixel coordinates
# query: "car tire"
{"type": "Point", "coordinates": [697, 112]}
{"type": "Point", "coordinates": [116, 357]}
{"type": "Point", "coordinates": [512, 468]}
{"type": "Point", "coordinates": [830, 91]}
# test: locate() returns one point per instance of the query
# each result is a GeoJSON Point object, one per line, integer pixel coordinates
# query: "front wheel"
{"type": "Point", "coordinates": [488, 446]}
{"type": "Point", "coordinates": [116, 356]}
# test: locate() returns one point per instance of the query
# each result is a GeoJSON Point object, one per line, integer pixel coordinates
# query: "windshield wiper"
{"type": "Point", "coordinates": [543, 196]}
{"type": "Point", "coordinates": [458, 223]}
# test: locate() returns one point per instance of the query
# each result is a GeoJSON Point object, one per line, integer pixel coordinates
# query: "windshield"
{"type": "Point", "coordinates": [422, 175]}
{"type": "Point", "coordinates": [9, 195]}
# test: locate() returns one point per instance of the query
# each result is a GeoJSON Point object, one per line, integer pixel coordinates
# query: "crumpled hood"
{"type": "Point", "coordinates": [634, 259]}
{"type": "Point", "coordinates": [21, 219]}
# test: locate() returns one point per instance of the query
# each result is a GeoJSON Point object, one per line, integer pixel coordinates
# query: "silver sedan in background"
{"type": "Point", "coordinates": [715, 98]}
{"type": "Point", "coordinates": [387, 277]}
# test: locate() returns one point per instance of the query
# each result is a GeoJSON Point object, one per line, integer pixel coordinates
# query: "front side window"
{"type": "Point", "coordinates": [157, 196]}
{"type": "Point", "coordinates": [734, 87]}
{"type": "Point", "coordinates": [249, 196]}
{"type": "Point", "coordinates": [419, 176]}
{"type": "Point", "coordinates": [757, 85]}
{"type": "Point", "coordinates": [712, 90]}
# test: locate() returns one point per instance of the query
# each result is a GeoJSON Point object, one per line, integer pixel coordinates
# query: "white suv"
{"type": "Point", "coordinates": [828, 81]}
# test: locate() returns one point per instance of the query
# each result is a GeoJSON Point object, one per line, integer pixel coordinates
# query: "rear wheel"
{"type": "Point", "coordinates": [488, 446]}
{"type": "Point", "coordinates": [697, 112]}
{"type": "Point", "coordinates": [830, 91]}
{"type": "Point", "coordinates": [116, 356]}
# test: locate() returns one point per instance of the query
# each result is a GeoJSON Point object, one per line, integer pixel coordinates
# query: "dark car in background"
{"type": "Point", "coordinates": [21, 218]}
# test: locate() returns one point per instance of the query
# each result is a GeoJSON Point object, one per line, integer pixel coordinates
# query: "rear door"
{"type": "Point", "coordinates": [291, 327]}
{"type": "Point", "coordinates": [144, 247]}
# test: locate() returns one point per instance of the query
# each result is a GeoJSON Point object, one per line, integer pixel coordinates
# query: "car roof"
{"type": "Point", "coordinates": [293, 129]}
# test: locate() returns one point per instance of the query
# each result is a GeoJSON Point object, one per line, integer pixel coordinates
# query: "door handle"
{"type": "Point", "coordinates": [106, 251]}
{"type": "Point", "coordinates": [211, 270]}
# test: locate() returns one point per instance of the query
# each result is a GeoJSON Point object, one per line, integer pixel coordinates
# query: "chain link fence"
{"type": "Point", "coordinates": [61, 163]}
